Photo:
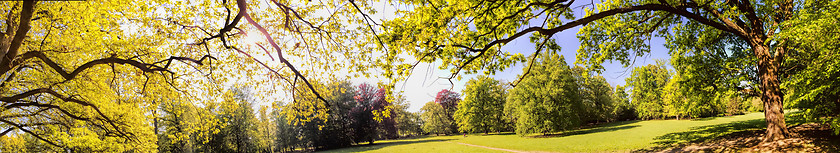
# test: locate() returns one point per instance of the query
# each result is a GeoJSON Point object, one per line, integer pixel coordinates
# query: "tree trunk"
{"type": "Point", "coordinates": [771, 94]}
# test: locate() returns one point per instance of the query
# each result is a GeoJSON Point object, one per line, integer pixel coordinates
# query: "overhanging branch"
{"type": "Point", "coordinates": [15, 98]}
{"type": "Point", "coordinates": [600, 15]}
{"type": "Point", "coordinates": [243, 7]}
{"type": "Point", "coordinates": [145, 67]}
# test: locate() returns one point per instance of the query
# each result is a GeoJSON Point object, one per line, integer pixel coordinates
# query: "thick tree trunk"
{"type": "Point", "coordinates": [771, 95]}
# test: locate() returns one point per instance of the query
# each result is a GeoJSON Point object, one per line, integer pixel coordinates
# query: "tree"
{"type": "Point", "coordinates": [236, 121]}
{"type": "Point", "coordinates": [178, 123]}
{"type": "Point", "coordinates": [675, 102]}
{"type": "Point", "coordinates": [647, 84]}
{"type": "Point", "coordinates": [623, 109]}
{"type": "Point", "coordinates": [596, 96]}
{"type": "Point", "coordinates": [366, 125]}
{"type": "Point", "coordinates": [407, 123]}
{"type": "Point", "coordinates": [683, 96]}
{"type": "Point", "coordinates": [467, 36]}
{"type": "Point", "coordinates": [449, 101]}
{"type": "Point", "coordinates": [287, 133]}
{"type": "Point", "coordinates": [434, 119]}
{"type": "Point", "coordinates": [813, 86]}
{"type": "Point", "coordinates": [548, 100]}
{"type": "Point", "coordinates": [480, 110]}
{"type": "Point", "coordinates": [13, 143]}
{"type": "Point", "coordinates": [265, 131]}
{"type": "Point", "coordinates": [334, 130]}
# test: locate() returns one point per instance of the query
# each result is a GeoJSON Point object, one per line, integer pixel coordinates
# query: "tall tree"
{"type": "Point", "coordinates": [813, 85]}
{"type": "Point", "coordinates": [647, 84]}
{"type": "Point", "coordinates": [548, 100]}
{"type": "Point", "coordinates": [265, 131]}
{"type": "Point", "coordinates": [596, 96]}
{"type": "Point", "coordinates": [366, 124]}
{"type": "Point", "coordinates": [449, 101]}
{"type": "Point", "coordinates": [435, 120]}
{"type": "Point", "coordinates": [624, 110]}
{"type": "Point", "coordinates": [467, 36]}
{"type": "Point", "coordinates": [334, 130]}
{"type": "Point", "coordinates": [407, 123]}
{"type": "Point", "coordinates": [236, 121]}
{"type": "Point", "coordinates": [482, 110]}
{"type": "Point", "coordinates": [287, 133]}
{"type": "Point", "coordinates": [178, 124]}
{"type": "Point", "coordinates": [675, 102]}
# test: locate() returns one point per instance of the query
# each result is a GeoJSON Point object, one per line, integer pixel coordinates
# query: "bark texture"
{"type": "Point", "coordinates": [771, 95]}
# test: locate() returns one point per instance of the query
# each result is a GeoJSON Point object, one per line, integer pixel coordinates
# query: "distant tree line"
{"type": "Point", "coordinates": [554, 97]}
{"type": "Point", "coordinates": [356, 115]}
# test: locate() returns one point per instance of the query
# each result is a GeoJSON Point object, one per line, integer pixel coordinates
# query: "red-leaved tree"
{"type": "Point", "coordinates": [370, 99]}
{"type": "Point", "coordinates": [449, 101]}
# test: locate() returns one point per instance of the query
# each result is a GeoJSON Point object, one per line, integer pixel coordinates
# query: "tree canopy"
{"type": "Point", "coordinates": [548, 100]}
{"type": "Point", "coordinates": [482, 109]}
{"type": "Point", "coordinates": [435, 119]}
{"type": "Point", "coordinates": [647, 84]}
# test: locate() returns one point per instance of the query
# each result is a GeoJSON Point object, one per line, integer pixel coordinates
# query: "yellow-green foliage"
{"type": "Point", "coordinates": [547, 100]}
{"type": "Point", "coordinates": [815, 87]}
{"type": "Point", "coordinates": [434, 119]}
{"type": "Point", "coordinates": [482, 108]}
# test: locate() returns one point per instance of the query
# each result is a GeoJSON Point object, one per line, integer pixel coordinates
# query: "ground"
{"type": "Point", "coordinates": [809, 137]}
{"type": "Point", "coordinates": [719, 134]}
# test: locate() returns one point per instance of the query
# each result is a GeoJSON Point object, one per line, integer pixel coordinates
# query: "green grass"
{"type": "Point", "coordinates": [420, 145]}
{"type": "Point", "coordinates": [613, 137]}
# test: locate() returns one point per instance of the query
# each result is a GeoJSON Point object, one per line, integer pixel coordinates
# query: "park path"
{"type": "Point", "coordinates": [500, 149]}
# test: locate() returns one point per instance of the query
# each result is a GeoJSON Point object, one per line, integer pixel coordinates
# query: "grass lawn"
{"type": "Point", "coordinates": [613, 137]}
{"type": "Point", "coordinates": [420, 145]}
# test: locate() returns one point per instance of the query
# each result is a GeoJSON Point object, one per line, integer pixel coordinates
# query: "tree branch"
{"type": "Point", "coordinates": [20, 96]}
{"type": "Point", "coordinates": [20, 34]}
{"type": "Point", "coordinates": [243, 7]}
{"type": "Point", "coordinates": [597, 16]}
{"type": "Point", "coordinates": [145, 67]}
{"type": "Point", "coordinates": [30, 132]}
{"type": "Point", "coordinates": [6, 131]}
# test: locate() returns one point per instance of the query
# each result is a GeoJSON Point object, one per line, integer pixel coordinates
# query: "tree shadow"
{"type": "Point", "coordinates": [706, 133]}
{"type": "Point", "coordinates": [740, 132]}
{"type": "Point", "coordinates": [600, 128]}
{"type": "Point", "coordinates": [704, 119]}
{"type": "Point", "coordinates": [380, 145]}
{"type": "Point", "coordinates": [493, 133]}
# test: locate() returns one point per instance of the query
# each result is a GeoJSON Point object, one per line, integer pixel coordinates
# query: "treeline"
{"type": "Point", "coordinates": [552, 97]}
{"type": "Point", "coordinates": [658, 93]}
{"type": "Point", "coordinates": [355, 115]}
{"type": "Point", "coordinates": [555, 97]}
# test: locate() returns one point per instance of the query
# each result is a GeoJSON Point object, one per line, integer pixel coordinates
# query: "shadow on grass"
{"type": "Point", "coordinates": [601, 128]}
{"type": "Point", "coordinates": [742, 129]}
{"type": "Point", "coordinates": [704, 119]}
{"type": "Point", "coordinates": [379, 145]}
{"type": "Point", "coordinates": [705, 133]}
{"type": "Point", "coordinates": [493, 133]}
{"type": "Point", "coordinates": [710, 132]}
